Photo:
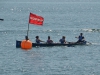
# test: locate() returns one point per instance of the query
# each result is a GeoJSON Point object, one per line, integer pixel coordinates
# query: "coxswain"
{"type": "Point", "coordinates": [49, 41]}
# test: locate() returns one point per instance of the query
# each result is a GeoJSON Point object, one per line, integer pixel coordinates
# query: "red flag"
{"type": "Point", "coordinates": [35, 19]}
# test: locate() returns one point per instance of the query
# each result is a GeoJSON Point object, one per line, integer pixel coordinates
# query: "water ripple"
{"type": "Point", "coordinates": [91, 30]}
{"type": "Point", "coordinates": [41, 31]}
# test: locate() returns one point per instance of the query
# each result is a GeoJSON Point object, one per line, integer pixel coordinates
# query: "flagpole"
{"type": "Point", "coordinates": [28, 27]}
{"type": "Point", "coordinates": [28, 30]}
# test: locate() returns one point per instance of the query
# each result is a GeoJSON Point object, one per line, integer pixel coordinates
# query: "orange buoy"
{"type": "Point", "coordinates": [26, 44]}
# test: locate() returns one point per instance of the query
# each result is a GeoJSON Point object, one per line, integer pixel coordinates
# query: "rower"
{"type": "Point", "coordinates": [80, 38]}
{"type": "Point", "coordinates": [49, 41]}
{"type": "Point", "coordinates": [62, 41]}
{"type": "Point", "coordinates": [38, 40]}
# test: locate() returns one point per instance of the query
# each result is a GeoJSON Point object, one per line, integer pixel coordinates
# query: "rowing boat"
{"type": "Point", "coordinates": [18, 44]}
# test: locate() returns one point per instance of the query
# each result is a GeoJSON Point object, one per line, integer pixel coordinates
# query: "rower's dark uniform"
{"type": "Point", "coordinates": [62, 41]}
{"type": "Point", "coordinates": [38, 40]}
{"type": "Point", "coordinates": [81, 38]}
{"type": "Point", "coordinates": [49, 41]}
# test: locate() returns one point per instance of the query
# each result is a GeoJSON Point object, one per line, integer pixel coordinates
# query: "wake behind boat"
{"type": "Point", "coordinates": [18, 44]}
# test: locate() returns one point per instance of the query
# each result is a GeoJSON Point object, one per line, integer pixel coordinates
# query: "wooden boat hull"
{"type": "Point", "coordinates": [18, 44]}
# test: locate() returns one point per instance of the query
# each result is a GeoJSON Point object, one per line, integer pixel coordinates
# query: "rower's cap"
{"type": "Point", "coordinates": [81, 33]}
{"type": "Point", "coordinates": [37, 37]}
{"type": "Point", "coordinates": [48, 36]}
{"type": "Point", "coordinates": [63, 36]}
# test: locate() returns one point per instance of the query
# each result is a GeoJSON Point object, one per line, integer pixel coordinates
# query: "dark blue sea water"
{"type": "Point", "coordinates": [68, 18]}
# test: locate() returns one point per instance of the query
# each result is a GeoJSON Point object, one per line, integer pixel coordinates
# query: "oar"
{"type": "Point", "coordinates": [88, 42]}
